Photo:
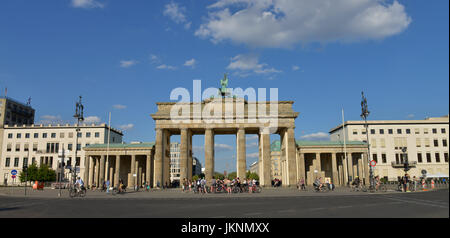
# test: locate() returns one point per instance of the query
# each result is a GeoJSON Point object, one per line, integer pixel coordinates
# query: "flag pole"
{"type": "Point", "coordinates": [345, 146]}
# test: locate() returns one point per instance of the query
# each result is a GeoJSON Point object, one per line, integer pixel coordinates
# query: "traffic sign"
{"type": "Point", "coordinates": [373, 163]}
{"type": "Point", "coordinates": [14, 172]}
{"type": "Point", "coordinates": [13, 176]}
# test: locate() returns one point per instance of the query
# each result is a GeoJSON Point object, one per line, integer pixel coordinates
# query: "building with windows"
{"type": "Point", "coordinates": [196, 167]}
{"type": "Point", "coordinates": [175, 163]}
{"type": "Point", "coordinates": [13, 112]}
{"type": "Point", "coordinates": [426, 143]}
{"type": "Point", "coordinates": [39, 144]}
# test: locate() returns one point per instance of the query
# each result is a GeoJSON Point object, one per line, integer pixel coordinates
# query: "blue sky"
{"type": "Point", "coordinates": [124, 56]}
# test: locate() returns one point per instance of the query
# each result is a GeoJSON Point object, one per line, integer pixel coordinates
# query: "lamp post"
{"type": "Point", "coordinates": [364, 114]}
{"type": "Point", "coordinates": [79, 115]}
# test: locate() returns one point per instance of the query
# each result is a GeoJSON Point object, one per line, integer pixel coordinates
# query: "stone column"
{"type": "Point", "coordinates": [301, 167]}
{"type": "Point", "coordinates": [345, 165]}
{"type": "Point", "coordinates": [166, 154]}
{"type": "Point", "coordinates": [189, 163]}
{"type": "Point", "coordinates": [138, 170]}
{"type": "Point", "coordinates": [317, 166]}
{"type": "Point", "coordinates": [111, 172]}
{"type": "Point", "coordinates": [91, 170]}
{"type": "Point", "coordinates": [241, 153]}
{"type": "Point", "coordinates": [159, 156]}
{"type": "Point", "coordinates": [102, 170]}
{"type": "Point", "coordinates": [290, 155]}
{"type": "Point", "coordinates": [117, 172]}
{"type": "Point", "coordinates": [335, 178]}
{"type": "Point", "coordinates": [86, 170]}
{"type": "Point", "coordinates": [132, 180]}
{"type": "Point", "coordinates": [148, 168]}
{"type": "Point", "coordinates": [209, 154]}
{"type": "Point", "coordinates": [360, 168]}
{"type": "Point", "coordinates": [366, 168]}
{"type": "Point", "coordinates": [183, 154]}
{"type": "Point", "coordinates": [97, 172]}
{"type": "Point", "coordinates": [264, 158]}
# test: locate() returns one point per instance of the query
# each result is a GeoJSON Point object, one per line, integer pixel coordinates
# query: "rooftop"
{"type": "Point", "coordinates": [121, 145]}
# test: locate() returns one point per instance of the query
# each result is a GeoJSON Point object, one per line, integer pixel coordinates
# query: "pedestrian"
{"type": "Point", "coordinates": [302, 183]}
{"type": "Point", "coordinates": [107, 186]}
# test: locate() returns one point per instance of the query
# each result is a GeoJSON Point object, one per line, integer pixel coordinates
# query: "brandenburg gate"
{"type": "Point", "coordinates": [219, 116]}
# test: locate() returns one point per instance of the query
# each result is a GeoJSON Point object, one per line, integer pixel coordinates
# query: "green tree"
{"type": "Point", "coordinates": [250, 175]}
{"type": "Point", "coordinates": [31, 175]}
{"type": "Point", "coordinates": [46, 174]}
{"type": "Point", "coordinates": [232, 175]}
{"type": "Point", "coordinates": [218, 175]}
{"type": "Point", "coordinates": [195, 177]}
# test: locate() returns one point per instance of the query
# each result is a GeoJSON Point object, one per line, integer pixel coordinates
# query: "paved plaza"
{"type": "Point", "coordinates": [271, 203]}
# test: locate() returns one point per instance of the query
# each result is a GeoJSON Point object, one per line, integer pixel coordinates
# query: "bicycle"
{"type": "Point", "coordinates": [77, 192]}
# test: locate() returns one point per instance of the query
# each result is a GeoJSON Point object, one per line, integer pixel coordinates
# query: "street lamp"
{"type": "Point", "coordinates": [79, 115]}
{"type": "Point", "coordinates": [364, 114]}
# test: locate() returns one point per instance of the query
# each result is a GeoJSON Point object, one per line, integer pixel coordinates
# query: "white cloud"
{"type": "Point", "coordinates": [87, 4]}
{"type": "Point", "coordinates": [316, 136]}
{"type": "Point", "coordinates": [284, 23]}
{"type": "Point", "coordinates": [126, 127]}
{"type": "Point", "coordinates": [119, 106]}
{"type": "Point", "coordinates": [295, 68]}
{"type": "Point", "coordinates": [92, 119]}
{"type": "Point", "coordinates": [154, 59]}
{"type": "Point", "coordinates": [253, 155]}
{"type": "Point", "coordinates": [190, 63]}
{"type": "Point", "coordinates": [127, 63]}
{"type": "Point", "coordinates": [411, 115]}
{"type": "Point", "coordinates": [250, 63]}
{"type": "Point", "coordinates": [223, 147]}
{"type": "Point", "coordinates": [177, 14]}
{"type": "Point", "coordinates": [168, 67]}
{"type": "Point", "coordinates": [50, 119]}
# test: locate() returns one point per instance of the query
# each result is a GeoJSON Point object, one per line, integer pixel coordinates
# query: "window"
{"type": "Point", "coordinates": [88, 135]}
{"type": "Point", "coordinates": [408, 131]}
{"type": "Point", "coordinates": [97, 134]}
{"type": "Point", "coordinates": [399, 131]}
{"type": "Point", "coordinates": [61, 135]}
{"type": "Point", "coordinates": [70, 134]}
{"type": "Point", "coordinates": [36, 135]}
{"type": "Point", "coordinates": [382, 131]}
{"type": "Point", "coordinates": [418, 142]}
{"type": "Point", "coordinates": [10, 135]}
{"type": "Point", "coordinates": [35, 147]}
{"type": "Point", "coordinates": [383, 158]}
{"type": "Point", "coordinates": [44, 135]}
{"type": "Point", "coordinates": [7, 162]}
{"type": "Point", "coordinates": [374, 143]}
{"type": "Point", "coordinates": [372, 131]}
{"type": "Point", "coordinates": [33, 160]}
{"type": "Point", "coordinates": [383, 143]}
{"type": "Point", "coordinates": [446, 157]}
{"type": "Point", "coordinates": [438, 157]}
{"type": "Point", "coordinates": [27, 135]}
{"type": "Point", "coordinates": [77, 161]}
{"type": "Point", "coordinates": [8, 147]}
{"type": "Point", "coordinates": [53, 135]}
{"type": "Point", "coordinates": [363, 131]}
{"type": "Point", "coordinates": [69, 147]}
{"type": "Point", "coordinates": [78, 147]}
{"type": "Point", "coordinates": [425, 131]}
{"type": "Point", "coordinates": [79, 134]}
{"type": "Point", "coordinates": [17, 147]}
{"type": "Point", "coordinates": [427, 142]}
{"type": "Point", "coordinates": [417, 131]}
{"type": "Point", "coordinates": [16, 162]}
{"type": "Point", "coordinates": [355, 132]}
{"type": "Point", "coordinates": [436, 143]}
{"type": "Point", "coordinates": [444, 142]}
{"type": "Point", "coordinates": [443, 130]}
{"type": "Point", "coordinates": [25, 147]}
{"type": "Point", "coordinates": [428, 158]}
{"type": "Point", "coordinates": [375, 157]}
{"type": "Point", "coordinates": [25, 161]}
{"type": "Point", "coordinates": [19, 135]}
{"type": "Point", "coordinates": [419, 157]}
{"type": "Point", "coordinates": [434, 131]}
{"type": "Point", "coordinates": [390, 131]}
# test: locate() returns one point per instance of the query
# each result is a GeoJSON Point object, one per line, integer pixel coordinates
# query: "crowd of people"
{"type": "Point", "coordinates": [226, 185]}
